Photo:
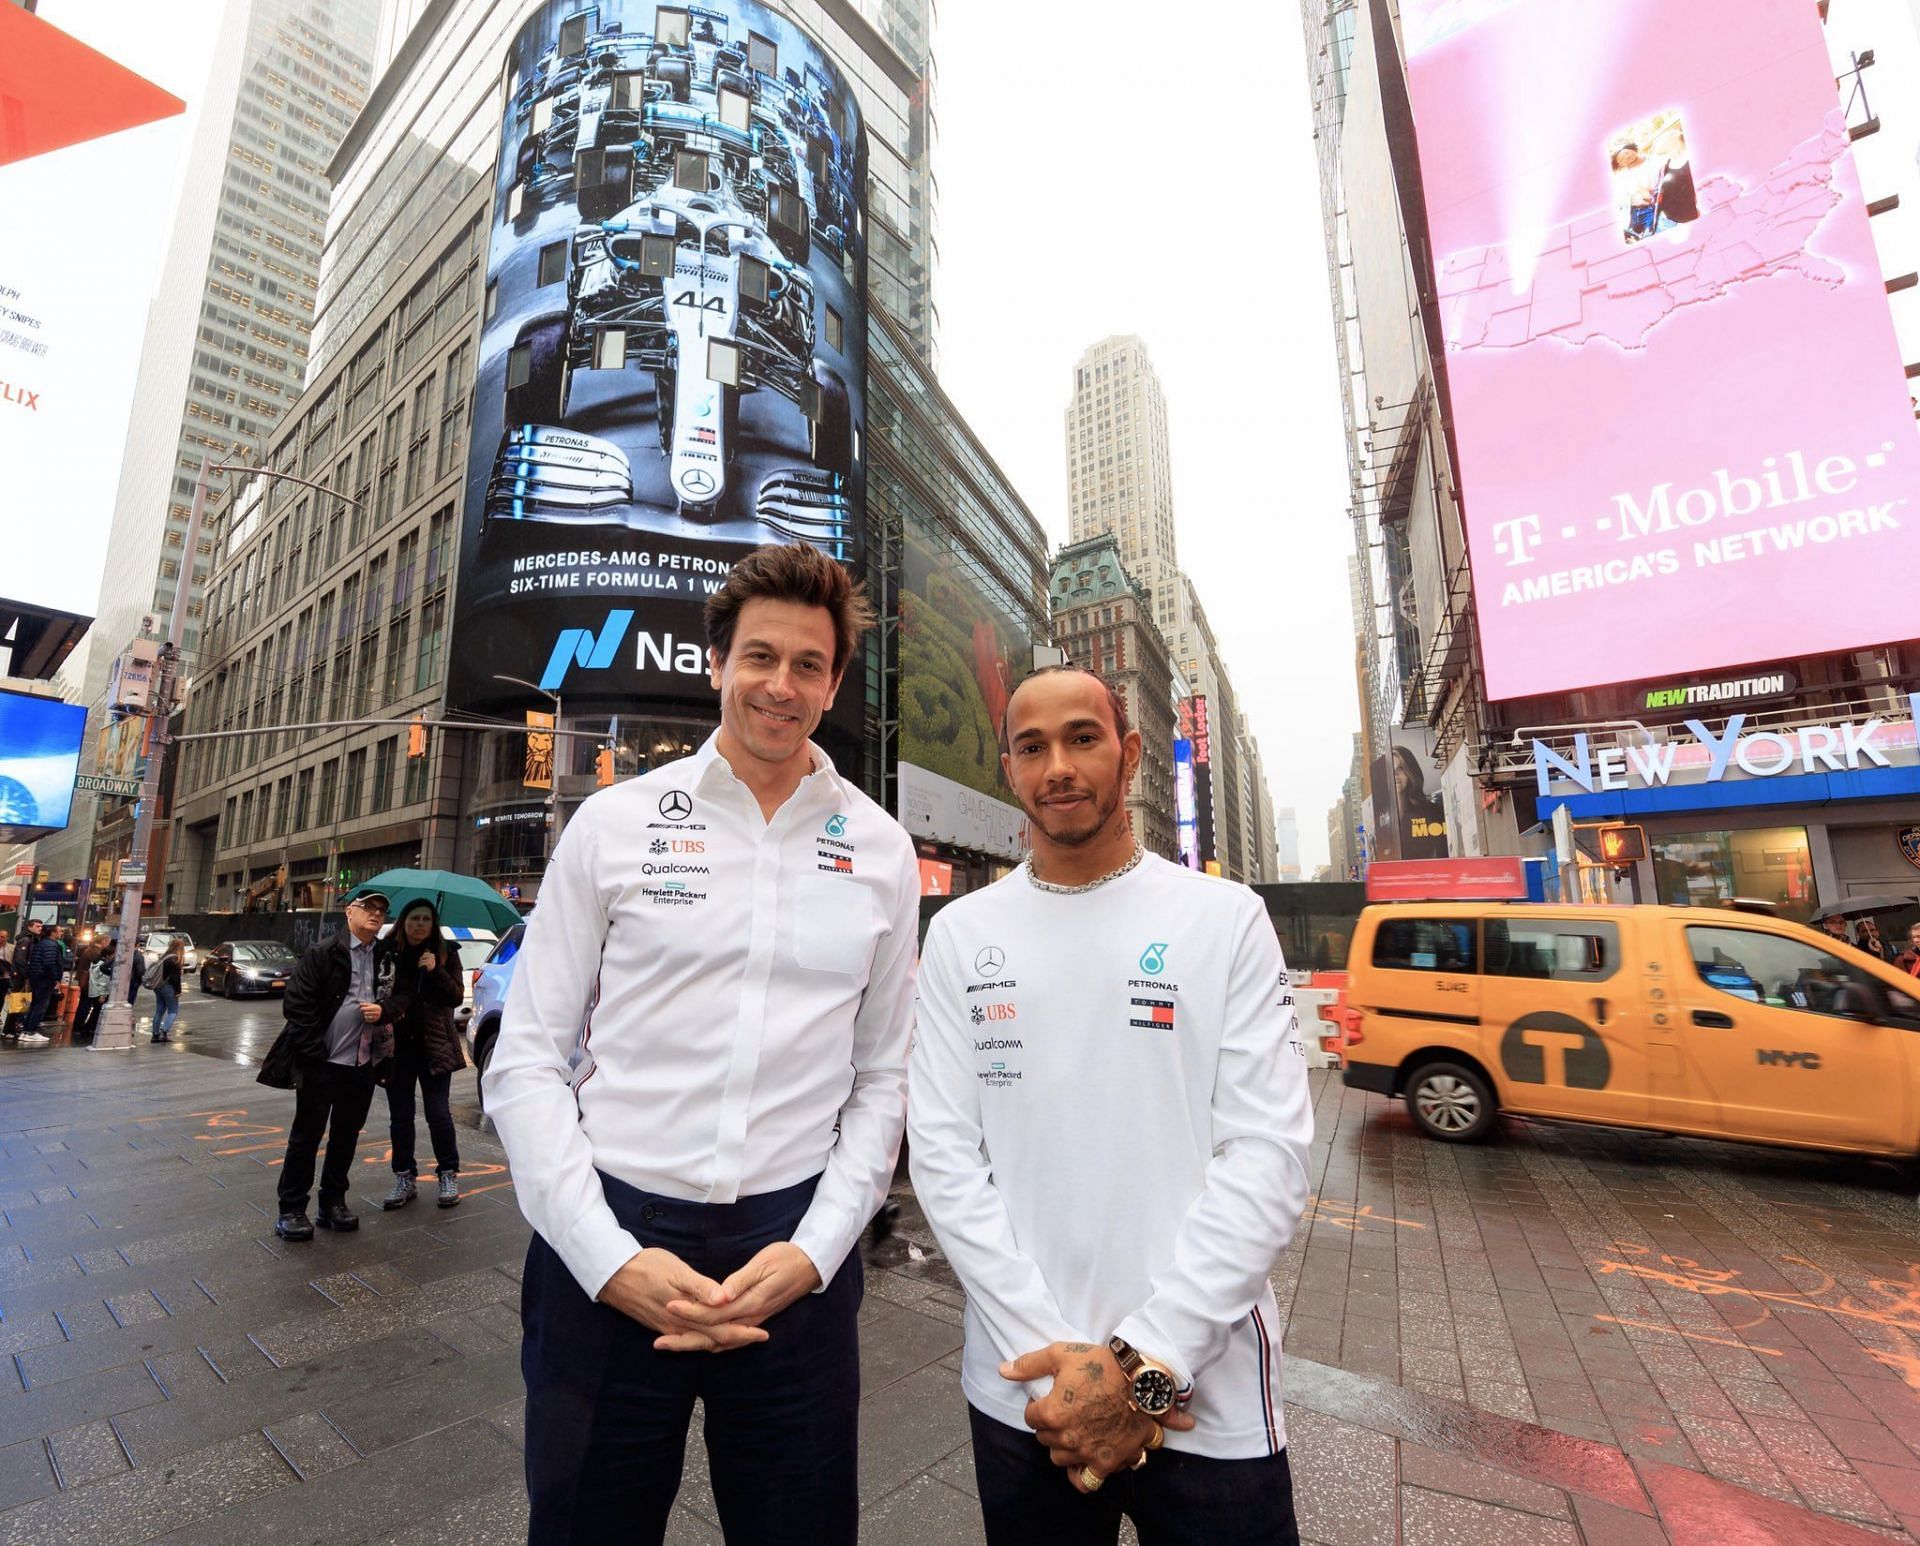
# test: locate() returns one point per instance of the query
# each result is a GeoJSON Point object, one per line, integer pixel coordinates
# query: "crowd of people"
{"type": "Point", "coordinates": [62, 977]}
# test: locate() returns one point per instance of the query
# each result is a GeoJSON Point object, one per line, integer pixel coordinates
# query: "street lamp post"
{"type": "Point", "coordinates": [115, 1032]}
{"type": "Point", "coordinates": [553, 793]}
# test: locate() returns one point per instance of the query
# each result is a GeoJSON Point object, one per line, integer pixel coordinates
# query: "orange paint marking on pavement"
{"type": "Point", "coordinates": [1906, 1365]}
{"type": "Point", "coordinates": [1342, 1215]}
{"type": "Point", "coordinates": [1719, 1284]}
{"type": "Point", "coordinates": [1696, 1336]}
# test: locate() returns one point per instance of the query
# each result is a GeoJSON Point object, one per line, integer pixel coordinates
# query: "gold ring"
{"type": "Point", "coordinates": [1157, 1437]}
{"type": "Point", "coordinates": [1139, 1460]}
{"type": "Point", "coordinates": [1090, 1479]}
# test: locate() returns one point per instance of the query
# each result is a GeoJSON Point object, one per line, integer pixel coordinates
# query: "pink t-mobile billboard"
{"type": "Point", "coordinates": [1684, 433]}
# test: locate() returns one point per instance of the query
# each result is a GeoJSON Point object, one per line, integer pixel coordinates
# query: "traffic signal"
{"type": "Point", "coordinates": [603, 767]}
{"type": "Point", "coordinates": [1625, 844]}
{"type": "Point", "coordinates": [416, 739]}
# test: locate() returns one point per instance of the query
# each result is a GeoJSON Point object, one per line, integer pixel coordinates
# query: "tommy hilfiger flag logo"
{"type": "Point", "coordinates": [1157, 1013]}
{"type": "Point", "coordinates": [832, 863]}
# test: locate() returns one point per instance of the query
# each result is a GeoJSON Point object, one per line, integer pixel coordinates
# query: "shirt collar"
{"type": "Point", "coordinates": [711, 771]}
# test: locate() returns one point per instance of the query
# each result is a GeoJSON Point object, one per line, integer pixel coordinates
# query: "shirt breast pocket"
{"type": "Point", "coordinates": [833, 925]}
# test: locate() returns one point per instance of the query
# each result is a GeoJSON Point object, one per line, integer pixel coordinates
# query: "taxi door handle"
{"type": "Point", "coordinates": [1714, 1018]}
{"type": "Point", "coordinates": [1600, 1011]}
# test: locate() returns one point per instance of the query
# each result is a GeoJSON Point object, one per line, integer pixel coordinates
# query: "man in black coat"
{"type": "Point", "coordinates": [46, 961]}
{"type": "Point", "coordinates": [339, 1015]}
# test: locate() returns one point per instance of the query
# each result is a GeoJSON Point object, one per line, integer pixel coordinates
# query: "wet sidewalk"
{"type": "Point", "coordinates": [175, 1373]}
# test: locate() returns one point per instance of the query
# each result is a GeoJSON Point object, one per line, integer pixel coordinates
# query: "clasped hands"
{"type": "Point", "coordinates": [694, 1314]}
{"type": "Point", "coordinates": [1086, 1419]}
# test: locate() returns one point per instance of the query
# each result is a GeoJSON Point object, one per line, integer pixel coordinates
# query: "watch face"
{"type": "Point", "coordinates": [1153, 1391]}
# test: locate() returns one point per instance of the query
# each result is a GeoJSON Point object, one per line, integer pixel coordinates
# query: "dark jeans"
{"type": "Point", "coordinates": [331, 1102]}
{"type": "Point", "coordinates": [86, 1019]}
{"type": "Point", "coordinates": [1175, 1499]}
{"type": "Point", "coordinates": [43, 994]}
{"type": "Point", "coordinates": [409, 1067]}
{"type": "Point", "coordinates": [607, 1416]}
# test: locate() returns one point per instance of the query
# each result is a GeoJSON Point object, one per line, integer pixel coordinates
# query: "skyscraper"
{"type": "Point", "coordinates": [225, 349]}
{"type": "Point", "coordinates": [1120, 483]}
{"type": "Point", "coordinates": [1119, 469]}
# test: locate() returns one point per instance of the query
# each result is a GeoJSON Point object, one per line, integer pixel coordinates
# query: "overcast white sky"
{"type": "Point", "coordinates": [1113, 166]}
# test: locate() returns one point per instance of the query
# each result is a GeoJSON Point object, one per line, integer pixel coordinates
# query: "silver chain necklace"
{"type": "Point", "coordinates": [1033, 875]}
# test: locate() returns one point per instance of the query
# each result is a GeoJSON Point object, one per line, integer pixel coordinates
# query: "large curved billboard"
{"type": "Point", "coordinates": [673, 354]}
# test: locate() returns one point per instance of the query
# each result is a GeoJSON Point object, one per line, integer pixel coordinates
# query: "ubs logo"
{"type": "Point", "coordinates": [675, 805]}
{"type": "Point", "coordinates": [1550, 1048]}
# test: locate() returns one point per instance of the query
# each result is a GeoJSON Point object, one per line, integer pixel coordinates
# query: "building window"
{"type": "Point", "coordinates": [1703, 869]}
{"type": "Point", "coordinates": [282, 806]}
{"type": "Point", "coordinates": [553, 263]}
{"type": "Point", "coordinates": [399, 641]}
{"type": "Point", "coordinates": [302, 799]}
{"type": "Point", "coordinates": [433, 622]}
{"type": "Point", "coordinates": [453, 411]}
{"type": "Point", "coordinates": [835, 329]}
{"type": "Point", "coordinates": [329, 792]}
{"type": "Point", "coordinates": [416, 779]}
{"type": "Point", "coordinates": [418, 440]}
{"type": "Point", "coordinates": [356, 776]}
{"type": "Point", "coordinates": [380, 796]}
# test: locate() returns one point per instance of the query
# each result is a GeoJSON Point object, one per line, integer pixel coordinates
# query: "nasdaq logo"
{"type": "Point", "coordinates": [581, 647]}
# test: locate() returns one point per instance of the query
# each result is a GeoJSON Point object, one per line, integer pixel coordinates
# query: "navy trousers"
{"type": "Point", "coordinates": [1175, 1499]}
{"type": "Point", "coordinates": [607, 1416]}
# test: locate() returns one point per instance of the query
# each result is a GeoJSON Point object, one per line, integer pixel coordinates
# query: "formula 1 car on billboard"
{"type": "Point", "coordinates": [704, 184]}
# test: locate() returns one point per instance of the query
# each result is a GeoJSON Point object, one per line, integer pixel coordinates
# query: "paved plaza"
{"type": "Point", "coordinates": [1564, 1336]}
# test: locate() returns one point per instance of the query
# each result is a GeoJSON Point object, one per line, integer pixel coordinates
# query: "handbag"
{"type": "Point", "coordinates": [20, 1002]}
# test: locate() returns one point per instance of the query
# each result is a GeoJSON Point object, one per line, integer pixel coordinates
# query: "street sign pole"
{"type": "Point", "coordinates": [115, 1031]}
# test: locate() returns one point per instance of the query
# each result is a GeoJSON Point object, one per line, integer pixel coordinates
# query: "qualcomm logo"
{"type": "Point", "coordinates": [579, 647]}
{"type": "Point", "coordinates": [1154, 959]}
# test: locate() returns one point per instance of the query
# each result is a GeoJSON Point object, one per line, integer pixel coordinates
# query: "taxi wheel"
{"type": "Point", "coordinates": [1451, 1102]}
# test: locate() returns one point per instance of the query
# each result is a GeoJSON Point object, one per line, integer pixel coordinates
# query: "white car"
{"type": "Point", "coordinates": [162, 939]}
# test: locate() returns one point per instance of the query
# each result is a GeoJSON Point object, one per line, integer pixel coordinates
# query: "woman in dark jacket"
{"type": "Point", "coordinates": [426, 1051]}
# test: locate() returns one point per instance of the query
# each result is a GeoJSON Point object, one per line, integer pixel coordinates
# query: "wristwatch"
{"type": "Point", "coordinates": [1151, 1387]}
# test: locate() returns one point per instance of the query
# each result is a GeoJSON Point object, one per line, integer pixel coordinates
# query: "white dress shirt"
{"type": "Point", "coordinates": [1110, 1130]}
{"type": "Point", "coordinates": [740, 991]}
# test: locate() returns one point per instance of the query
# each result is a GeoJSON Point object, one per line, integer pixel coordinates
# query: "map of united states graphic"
{"type": "Point", "coordinates": [1589, 287]}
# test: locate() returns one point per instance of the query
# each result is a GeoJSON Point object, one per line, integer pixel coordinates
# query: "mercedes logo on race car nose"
{"type": "Point", "coordinates": [675, 806]}
{"type": "Point", "coordinates": [697, 480]}
{"type": "Point", "coordinates": [989, 961]}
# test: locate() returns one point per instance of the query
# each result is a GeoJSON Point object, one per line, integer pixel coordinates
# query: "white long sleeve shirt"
{"type": "Point", "coordinates": [1109, 1125]}
{"type": "Point", "coordinates": [740, 991]}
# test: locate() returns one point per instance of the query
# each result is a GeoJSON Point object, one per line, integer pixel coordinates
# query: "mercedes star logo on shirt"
{"type": "Point", "coordinates": [989, 961]}
{"type": "Point", "coordinates": [675, 805]}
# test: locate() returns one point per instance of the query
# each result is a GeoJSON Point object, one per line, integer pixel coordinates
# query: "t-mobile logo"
{"type": "Point", "coordinates": [1515, 540]}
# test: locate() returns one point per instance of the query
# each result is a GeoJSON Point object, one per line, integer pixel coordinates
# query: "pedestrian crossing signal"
{"type": "Point", "coordinates": [416, 739]}
{"type": "Point", "coordinates": [603, 767]}
{"type": "Point", "coordinates": [1623, 844]}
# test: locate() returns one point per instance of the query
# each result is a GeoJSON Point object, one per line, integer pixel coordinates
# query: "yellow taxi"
{"type": "Point", "coordinates": [1694, 1020]}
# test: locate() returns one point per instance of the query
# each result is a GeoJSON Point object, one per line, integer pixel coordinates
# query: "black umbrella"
{"type": "Point", "coordinates": [1859, 906]}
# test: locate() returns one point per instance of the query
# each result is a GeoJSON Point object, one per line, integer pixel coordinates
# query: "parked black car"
{"type": "Point", "coordinates": [246, 966]}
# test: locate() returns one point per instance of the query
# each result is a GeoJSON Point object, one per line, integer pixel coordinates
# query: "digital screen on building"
{"type": "Point", "coordinates": [672, 364]}
{"type": "Point", "coordinates": [40, 740]}
{"type": "Point", "coordinates": [1185, 804]}
{"type": "Point", "coordinates": [1652, 256]}
{"type": "Point", "coordinates": [960, 659]}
